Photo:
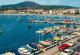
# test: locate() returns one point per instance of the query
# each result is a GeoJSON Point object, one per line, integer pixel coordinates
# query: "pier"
{"type": "Point", "coordinates": [53, 50]}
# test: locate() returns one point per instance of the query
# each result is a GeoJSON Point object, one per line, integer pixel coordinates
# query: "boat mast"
{"type": "Point", "coordinates": [42, 37]}
{"type": "Point", "coordinates": [39, 36]}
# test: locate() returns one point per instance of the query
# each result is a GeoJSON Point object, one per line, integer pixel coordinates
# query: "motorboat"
{"type": "Point", "coordinates": [32, 46]}
{"type": "Point", "coordinates": [8, 53]}
{"type": "Point", "coordinates": [29, 26]}
{"type": "Point", "coordinates": [29, 49]}
{"type": "Point", "coordinates": [0, 31]}
{"type": "Point", "coordinates": [48, 29]}
{"type": "Point", "coordinates": [40, 31]}
{"type": "Point", "coordinates": [23, 51]}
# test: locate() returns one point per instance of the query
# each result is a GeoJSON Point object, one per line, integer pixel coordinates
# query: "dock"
{"type": "Point", "coordinates": [54, 50]}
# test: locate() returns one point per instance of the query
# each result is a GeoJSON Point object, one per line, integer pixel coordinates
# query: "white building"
{"type": "Point", "coordinates": [50, 12]}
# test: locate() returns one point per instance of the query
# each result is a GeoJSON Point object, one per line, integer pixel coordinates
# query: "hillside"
{"type": "Point", "coordinates": [35, 5]}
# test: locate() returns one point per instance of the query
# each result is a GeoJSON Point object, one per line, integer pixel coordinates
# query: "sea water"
{"type": "Point", "coordinates": [15, 34]}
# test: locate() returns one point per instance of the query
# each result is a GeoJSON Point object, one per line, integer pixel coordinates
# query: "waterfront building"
{"type": "Point", "coordinates": [10, 11]}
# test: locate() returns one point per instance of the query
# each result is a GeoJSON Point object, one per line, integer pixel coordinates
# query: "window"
{"type": "Point", "coordinates": [62, 45]}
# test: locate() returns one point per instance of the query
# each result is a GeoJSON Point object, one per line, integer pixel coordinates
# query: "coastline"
{"type": "Point", "coordinates": [44, 14]}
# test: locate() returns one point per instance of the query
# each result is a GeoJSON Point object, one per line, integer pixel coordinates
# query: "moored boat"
{"type": "Point", "coordinates": [23, 51]}
{"type": "Point", "coordinates": [38, 45]}
{"type": "Point", "coordinates": [40, 31]}
{"type": "Point", "coordinates": [32, 46]}
{"type": "Point", "coordinates": [8, 53]}
{"type": "Point", "coordinates": [45, 43]}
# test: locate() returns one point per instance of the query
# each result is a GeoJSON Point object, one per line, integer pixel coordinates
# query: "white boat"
{"type": "Point", "coordinates": [24, 51]}
{"type": "Point", "coordinates": [36, 21]}
{"type": "Point", "coordinates": [8, 53]}
{"type": "Point", "coordinates": [40, 31]}
{"type": "Point", "coordinates": [48, 29]}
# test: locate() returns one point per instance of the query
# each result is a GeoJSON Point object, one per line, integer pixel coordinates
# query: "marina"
{"type": "Point", "coordinates": [37, 36]}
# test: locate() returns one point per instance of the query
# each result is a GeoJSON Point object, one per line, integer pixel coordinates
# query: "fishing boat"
{"type": "Point", "coordinates": [32, 46]}
{"type": "Point", "coordinates": [8, 53]}
{"type": "Point", "coordinates": [23, 51]}
{"type": "Point", "coordinates": [40, 31]}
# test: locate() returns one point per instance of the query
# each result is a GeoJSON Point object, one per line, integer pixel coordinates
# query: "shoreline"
{"type": "Point", "coordinates": [44, 14]}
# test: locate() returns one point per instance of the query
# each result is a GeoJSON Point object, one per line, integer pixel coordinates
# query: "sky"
{"type": "Point", "coordinates": [75, 3]}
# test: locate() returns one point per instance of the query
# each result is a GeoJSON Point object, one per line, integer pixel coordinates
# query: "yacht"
{"type": "Point", "coordinates": [32, 46]}
{"type": "Point", "coordinates": [23, 51]}
{"type": "Point", "coordinates": [8, 53]}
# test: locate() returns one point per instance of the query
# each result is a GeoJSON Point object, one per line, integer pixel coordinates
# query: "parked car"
{"type": "Point", "coordinates": [77, 53]}
{"type": "Point", "coordinates": [63, 47]}
{"type": "Point", "coordinates": [71, 43]}
{"type": "Point", "coordinates": [67, 52]}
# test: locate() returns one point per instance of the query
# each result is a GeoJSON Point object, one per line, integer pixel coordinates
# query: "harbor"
{"type": "Point", "coordinates": [47, 34]}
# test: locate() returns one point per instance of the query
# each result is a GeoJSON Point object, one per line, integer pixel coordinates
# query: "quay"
{"type": "Point", "coordinates": [54, 50]}
{"type": "Point", "coordinates": [55, 22]}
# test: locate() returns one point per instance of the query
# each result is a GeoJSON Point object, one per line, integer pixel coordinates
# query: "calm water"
{"type": "Point", "coordinates": [14, 34]}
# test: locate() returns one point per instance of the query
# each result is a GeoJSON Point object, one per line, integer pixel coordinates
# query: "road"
{"type": "Point", "coordinates": [54, 50]}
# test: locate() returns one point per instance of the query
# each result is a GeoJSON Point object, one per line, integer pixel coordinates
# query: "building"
{"type": "Point", "coordinates": [50, 11]}
{"type": "Point", "coordinates": [38, 11]}
{"type": "Point", "coordinates": [10, 11]}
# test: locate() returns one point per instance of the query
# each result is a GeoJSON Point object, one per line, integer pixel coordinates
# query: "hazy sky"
{"type": "Point", "coordinates": [45, 2]}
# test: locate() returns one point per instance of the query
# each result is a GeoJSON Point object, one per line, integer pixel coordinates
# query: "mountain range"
{"type": "Point", "coordinates": [38, 6]}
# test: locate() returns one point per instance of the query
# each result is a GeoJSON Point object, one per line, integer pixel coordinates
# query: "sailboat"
{"type": "Point", "coordinates": [44, 43]}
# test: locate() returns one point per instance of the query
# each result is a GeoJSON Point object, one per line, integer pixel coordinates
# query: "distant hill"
{"type": "Point", "coordinates": [38, 6]}
{"type": "Point", "coordinates": [23, 4]}
{"type": "Point", "coordinates": [48, 7]}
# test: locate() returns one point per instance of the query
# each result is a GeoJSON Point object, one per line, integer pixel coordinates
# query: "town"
{"type": "Point", "coordinates": [30, 10]}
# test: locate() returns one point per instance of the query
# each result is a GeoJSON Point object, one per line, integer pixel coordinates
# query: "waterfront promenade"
{"type": "Point", "coordinates": [54, 50]}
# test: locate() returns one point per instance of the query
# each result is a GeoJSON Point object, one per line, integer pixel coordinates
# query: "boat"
{"type": "Point", "coordinates": [39, 46]}
{"type": "Point", "coordinates": [46, 32]}
{"type": "Point", "coordinates": [40, 31]}
{"type": "Point", "coordinates": [17, 20]}
{"type": "Point", "coordinates": [29, 21]}
{"type": "Point", "coordinates": [32, 46]}
{"type": "Point", "coordinates": [0, 31]}
{"type": "Point", "coordinates": [48, 29]}
{"type": "Point", "coordinates": [36, 21]}
{"type": "Point", "coordinates": [45, 43]}
{"type": "Point", "coordinates": [8, 53]}
{"type": "Point", "coordinates": [29, 26]}
{"type": "Point", "coordinates": [23, 51]}
{"type": "Point", "coordinates": [28, 48]}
